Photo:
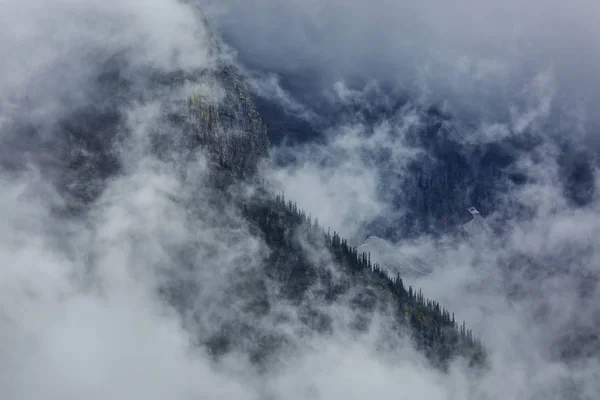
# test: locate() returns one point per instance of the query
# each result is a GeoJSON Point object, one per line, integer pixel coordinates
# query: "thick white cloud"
{"type": "Point", "coordinates": [79, 310]}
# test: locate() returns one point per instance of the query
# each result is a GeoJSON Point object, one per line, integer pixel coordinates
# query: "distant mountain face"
{"type": "Point", "coordinates": [454, 171]}
{"type": "Point", "coordinates": [212, 109]}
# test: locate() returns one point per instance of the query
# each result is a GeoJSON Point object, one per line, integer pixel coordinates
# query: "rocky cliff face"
{"type": "Point", "coordinates": [139, 166]}
{"type": "Point", "coordinates": [209, 109]}
{"type": "Point", "coordinates": [230, 129]}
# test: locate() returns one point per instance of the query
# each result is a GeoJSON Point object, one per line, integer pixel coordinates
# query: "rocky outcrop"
{"type": "Point", "coordinates": [230, 129]}
{"type": "Point", "coordinates": [209, 108]}
{"type": "Point", "coordinates": [451, 172]}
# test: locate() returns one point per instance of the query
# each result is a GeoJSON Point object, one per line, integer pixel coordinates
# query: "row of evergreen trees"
{"type": "Point", "coordinates": [285, 227]}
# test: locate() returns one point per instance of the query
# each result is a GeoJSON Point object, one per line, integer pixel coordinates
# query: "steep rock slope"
{"type": "Point", "coordinates": [317, 271]}
{"type": "Point", "coordinates": [211, 109]}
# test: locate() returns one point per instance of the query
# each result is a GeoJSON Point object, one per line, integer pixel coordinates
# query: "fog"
{"type": "Point", "coordinates": [339, 182]}
{"type": "Point", "coordinates": [81, 306]}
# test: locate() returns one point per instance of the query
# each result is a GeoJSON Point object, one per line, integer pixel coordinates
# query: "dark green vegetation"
{"type": "Point", "coordinates": [311, 265]}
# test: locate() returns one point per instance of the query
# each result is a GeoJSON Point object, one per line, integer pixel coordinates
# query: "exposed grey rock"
{"type": "Point", "coordinates": [231, 130]}
{"type": "Point", "coordinates": [209, 108]}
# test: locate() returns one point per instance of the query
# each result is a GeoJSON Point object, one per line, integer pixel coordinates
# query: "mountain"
{"type": "Point", "coordinates": [310, 283]}
{"type": "Point", "coordinates": [454, 165]}
{"type": "Point", "coordinates": [229, 130]}
{"type": "Point", "coordinates": [448, 166]}
{"type": "Point", "coordinates": [291, 276]}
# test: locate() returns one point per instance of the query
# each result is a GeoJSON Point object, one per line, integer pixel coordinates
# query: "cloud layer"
{"type": "Point", "coordinates": [81, 313]}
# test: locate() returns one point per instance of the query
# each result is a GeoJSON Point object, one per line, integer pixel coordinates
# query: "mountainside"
{"type": "Point", "coordinates": [211, 109]}
{"type": "Point", "coordinates": [146, 125]}
{"type": "Point", "coordinates": [306, 268]}
{"type": "Point", "coordinates": [310, 200]}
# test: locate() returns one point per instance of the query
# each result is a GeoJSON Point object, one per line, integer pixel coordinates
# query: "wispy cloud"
{"type": "Point", "coordinates": [475, 58]}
